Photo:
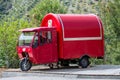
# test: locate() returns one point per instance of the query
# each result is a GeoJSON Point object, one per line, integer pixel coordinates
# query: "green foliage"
{"type": "Point", "coordinates": [5, 6]}
{"type": "Point", "coordinates": [15, 8]}
{"type": "Point", "coordinates": [44, 7]}
{"type": "Point", "coordinates": [8, 39]}
{"type": "Point", "coordinates": [111, 21]}
{"type": "Point", "coordinates": [17, 19]}
{"type": "Point", "coordinates": [114, 16]}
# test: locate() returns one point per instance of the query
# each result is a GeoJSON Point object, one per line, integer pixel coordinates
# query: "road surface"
{"type": "Point", "coordinates": [101, 72]}
{"type": "Point", "coordinates": [48, 78]}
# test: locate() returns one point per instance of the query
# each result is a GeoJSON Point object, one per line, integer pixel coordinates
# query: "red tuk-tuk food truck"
{"type": "Point", "coordinates": [62, 39]}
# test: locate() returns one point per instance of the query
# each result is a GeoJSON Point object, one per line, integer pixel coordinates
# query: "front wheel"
{"type": "Point", "coordinates": [84, 62]}
{"type": "Point", "coordinates": [25, 64]}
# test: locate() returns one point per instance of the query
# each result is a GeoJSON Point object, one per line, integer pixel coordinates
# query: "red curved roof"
{"type": "Point", "coordinates": [74, 26]}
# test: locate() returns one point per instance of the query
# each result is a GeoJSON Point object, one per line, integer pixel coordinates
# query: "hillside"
{"type": "Point", "coordinates": [81, 6]}
{"type": "Point", "coordinates": [18, 8]}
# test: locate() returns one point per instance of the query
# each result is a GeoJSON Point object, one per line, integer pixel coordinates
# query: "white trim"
{"type": "Point", "coordinates": [82, 38]}
{"type": "Point", "coordinates": [62, 26]}
{"type": "Point", "coordinates": [99, 25]}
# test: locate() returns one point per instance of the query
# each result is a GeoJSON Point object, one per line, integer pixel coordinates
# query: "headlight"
{"type": "Point", "coordinates": [24, 49]}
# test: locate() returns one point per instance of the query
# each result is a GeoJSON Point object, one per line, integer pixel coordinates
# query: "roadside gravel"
{"type": "Point", "coordinates": [1, 70]}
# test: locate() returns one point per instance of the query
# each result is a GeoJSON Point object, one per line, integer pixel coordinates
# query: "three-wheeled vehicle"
{"type": "Point", "coordinates": [62, 39]}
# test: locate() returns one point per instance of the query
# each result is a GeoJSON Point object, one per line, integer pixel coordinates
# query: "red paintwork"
{"type": "Point", "coordinates": [73, 35]}
{"type": "Point", "coordinates": [44, 54]}
{"type": "Point", "coordinates": [71, 28]}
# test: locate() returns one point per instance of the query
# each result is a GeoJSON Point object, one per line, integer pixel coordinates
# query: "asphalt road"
{"type": "Point", "coordinates": [48, 78]}
{"type": "Point", "coordinates": [97, 72]}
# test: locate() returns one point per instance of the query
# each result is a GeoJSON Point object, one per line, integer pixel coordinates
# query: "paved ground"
{"type": "Point", "coordinates": [101, 72]}
{"type": "Point", "coordinates": [48, 78]}
{"type": "Point", "coordinates": [1, 70]}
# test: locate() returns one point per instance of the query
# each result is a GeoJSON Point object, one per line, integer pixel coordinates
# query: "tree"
{"type": "Point", "coordinates": [8, 41]}
{"type": "Point", "coordinates": [44, 7]}
{"type": "Point", "coordinates": [9, 30]}
{"type": "Point", "coordinates": [111, 21]}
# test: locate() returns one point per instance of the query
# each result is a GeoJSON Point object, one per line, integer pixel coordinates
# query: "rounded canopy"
{"type": "Point", "coordinates": [74, 27]}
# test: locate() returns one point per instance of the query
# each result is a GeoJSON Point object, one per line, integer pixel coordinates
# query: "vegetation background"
{"type": "Point", "coordinates": [18, 14]}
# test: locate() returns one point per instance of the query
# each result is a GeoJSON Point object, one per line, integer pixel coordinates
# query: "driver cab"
{"type": "Point", "coordinates": [40, 44]}
{"type": "Point", "coordinates": [44, 45]}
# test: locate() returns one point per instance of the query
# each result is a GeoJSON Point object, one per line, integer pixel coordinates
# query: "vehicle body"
{"type": "Point", "coordinates": [62, 39]}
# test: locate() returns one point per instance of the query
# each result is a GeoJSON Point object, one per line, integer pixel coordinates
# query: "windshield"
{"type": "Point", "coordinates": [25, 38]}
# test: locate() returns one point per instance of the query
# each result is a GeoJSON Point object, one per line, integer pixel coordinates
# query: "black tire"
{"type": "Point", "coordinates": [84, 62]}
{"type": "Point", "coordinates": [25, 64]}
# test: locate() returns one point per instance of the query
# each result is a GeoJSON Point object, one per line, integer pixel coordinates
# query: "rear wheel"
{"type": "Point", "coordinates": [84, 62]}
{"type": "Point", "coordinates": [25, 64]}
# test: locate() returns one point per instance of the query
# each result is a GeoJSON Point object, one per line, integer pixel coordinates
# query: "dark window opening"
{"type": "Point", "coordinates": [45, 37]}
